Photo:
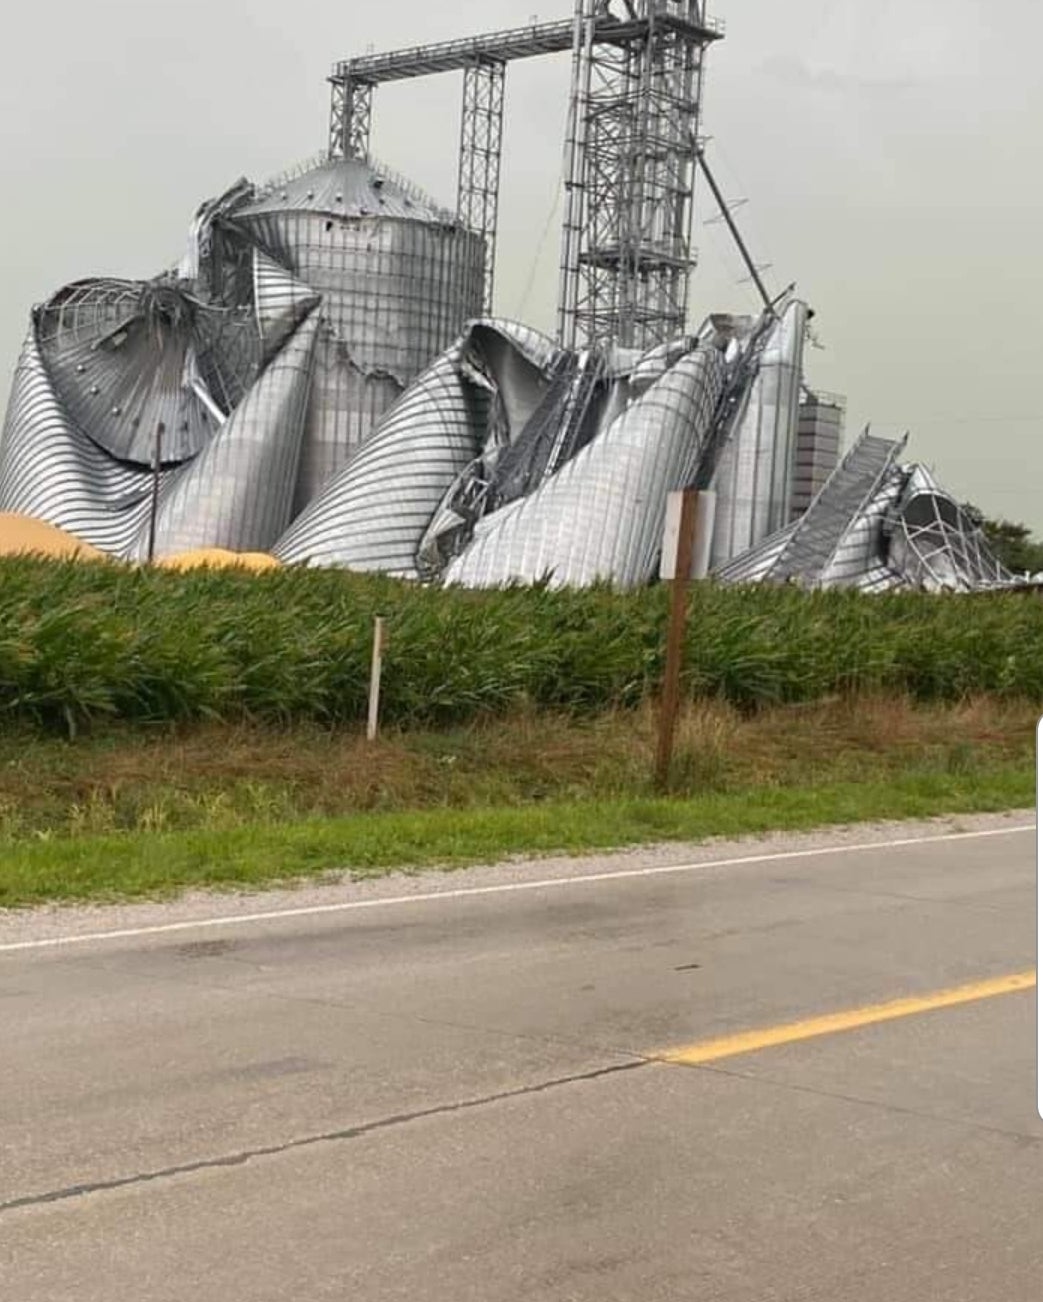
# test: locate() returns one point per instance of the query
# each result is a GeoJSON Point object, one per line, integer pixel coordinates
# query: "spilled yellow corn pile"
{"type": "Point", "coordinates": [20, 535]}
{"type": "Point", "coordinates": [218, 558]}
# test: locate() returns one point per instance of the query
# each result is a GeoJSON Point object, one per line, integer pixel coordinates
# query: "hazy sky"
{"type": "Point", "coordinates": [888, 150]}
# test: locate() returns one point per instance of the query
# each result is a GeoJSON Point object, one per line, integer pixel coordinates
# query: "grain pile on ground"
{"type": "Point", "coordinates": [21, 535]}
{"type": "Point", "coordinates": [218, 558]}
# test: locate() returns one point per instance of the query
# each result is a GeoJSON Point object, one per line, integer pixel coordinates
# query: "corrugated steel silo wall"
{"type": "Point", "coordinates": [754, 477]}
{"type": "Point", "coordinates": [396, 293]}
{"type": "Point", "coordinates": [820, 430]}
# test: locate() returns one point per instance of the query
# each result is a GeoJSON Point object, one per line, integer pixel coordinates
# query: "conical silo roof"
{"type": "Point", "coordinates": [347, 187]}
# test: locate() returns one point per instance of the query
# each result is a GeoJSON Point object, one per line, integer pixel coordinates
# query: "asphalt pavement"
{"type": "Point", "coordinates": [801, 1068]}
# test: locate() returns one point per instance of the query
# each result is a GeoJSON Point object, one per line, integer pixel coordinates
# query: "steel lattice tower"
{"type": "Point", "coordinates": [631, 150]}
{"type": "Point", "coordinates": [481, 141]}
{"type": "Point", "coordinates": [630, 170]}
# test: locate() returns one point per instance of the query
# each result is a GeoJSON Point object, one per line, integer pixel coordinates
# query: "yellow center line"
{"type": "Point", "coordinates": [731, 1046]}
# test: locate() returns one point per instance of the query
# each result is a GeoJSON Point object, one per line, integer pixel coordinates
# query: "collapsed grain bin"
{"type": "Point", "coordinates": [755, 475]}
{"type": "Point", "coordinates": [321, 376]}
{"type": "Point", "coordinates": [398, 277]}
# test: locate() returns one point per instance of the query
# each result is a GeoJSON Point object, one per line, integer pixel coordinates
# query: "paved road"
{"type": "Point", "coordinates": [454, 1089]}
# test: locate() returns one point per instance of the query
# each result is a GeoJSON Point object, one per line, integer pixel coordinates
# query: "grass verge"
{"type": "Point", "coordinates": [216, 777]}
{"type": "Point", "coordinates": [140, 864]}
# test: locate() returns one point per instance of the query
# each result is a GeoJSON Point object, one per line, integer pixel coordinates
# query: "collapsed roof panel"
{"type": "Point", "coordinates": [373, 515]}
{"type": "Point", "coordinates": [129, 362]}
{"type": "Point", "coordinates": [877, 526]}
{"type": "Point", "coordinates": [600, 517]}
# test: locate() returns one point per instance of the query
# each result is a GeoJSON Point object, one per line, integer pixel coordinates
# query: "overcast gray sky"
{"type": "Point", "coordinates": [889, 152]}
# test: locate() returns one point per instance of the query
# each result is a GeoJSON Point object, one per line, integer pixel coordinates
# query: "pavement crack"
{"type": "Point", "coordinates": [245, 1156]}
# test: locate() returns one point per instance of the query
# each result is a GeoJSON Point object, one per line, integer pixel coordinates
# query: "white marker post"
{"type": "Point", "coordinates": [1039, 916]}
{"type": "Point", "coordinates": [376, 669]}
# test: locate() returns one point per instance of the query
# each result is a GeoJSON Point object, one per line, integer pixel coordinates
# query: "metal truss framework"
{"type": "Point", "coordinates": [630, 171]}
{"type": "Point", "coordinates": [483, 60]}
{"type": "Point", "coordinates": [630, 153]}
{"type": "Point", "coordinates": [481, 140]}
{"type": "Point", "coordinates": [351, 117]}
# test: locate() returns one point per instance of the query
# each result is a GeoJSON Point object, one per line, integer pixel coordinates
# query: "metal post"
{"type": "Point", "coordinates": [736, 235]}
{"type": "Point", "coordinates": [375, 673]}
{"type": "Point", "coordinates": [574, 164]}
{"type": "Point", "coordinates": [670, 697]}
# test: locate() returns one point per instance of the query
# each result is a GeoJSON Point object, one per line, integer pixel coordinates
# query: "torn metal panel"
{"type": "Point", "coordinates": [132, 362]}
{"type": "Point", "coordinates": [375, 512]}
{"type": "Point", "coordinates": [754, 473]}
{"type": "Point", "coordinates": [280, 301]}
{"type": "Point", "coordinates": [757, 564]}
{"type": "Point", "coordinates": [238, 493]}
{"type": "Point", "coordinates": [200, 252]}
{"type": "Point", "coordinates": [518, 366]}
{"type": "Point", "coordinates": [50, 471]}
{"type": "Point", "coordinates": [600, 517]}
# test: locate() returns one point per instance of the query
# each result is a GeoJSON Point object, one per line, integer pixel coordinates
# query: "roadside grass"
{"type": "Point", "coordinates": [136, 812]}
{"type": "Point", "coordinates": [376, 844]}
{"type": "Point", "coordinates": [220, 777]}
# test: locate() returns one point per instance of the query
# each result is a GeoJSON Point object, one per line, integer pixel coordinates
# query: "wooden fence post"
{"type": "Point", "coordinates": [679, 548]}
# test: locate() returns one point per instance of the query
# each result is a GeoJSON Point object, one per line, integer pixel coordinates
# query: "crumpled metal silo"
{"type": "Point", "coordinates": [373, 515]}
{"type": "Point", "coordinates": [398, 277]}
{"type": "Point", "coordinates": [755, 471]}
{"type": "Point", "coordinates": [601, 515]}
{"type": "Point", "coordinates": [877, 526]}
{"type": "Point", "coordinates": [470, 402]}
{"type": "Point", "coordinates": [141, 415]}
{"type": "Point", "coordinates": [934, 543]}
{"type": "Point", "coordinates": [237, 494]}
{"type": "Point", "coordinates": [51, 471]}
{"type": "Point", "coordinates": [511, 458]}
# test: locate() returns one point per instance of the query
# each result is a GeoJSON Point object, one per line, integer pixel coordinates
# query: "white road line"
{"type": "Point", "coordinates": [504, 888]}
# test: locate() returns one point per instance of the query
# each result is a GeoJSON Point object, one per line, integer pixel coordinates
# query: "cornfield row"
{"type": "Point", "coordinates": [81, 643]}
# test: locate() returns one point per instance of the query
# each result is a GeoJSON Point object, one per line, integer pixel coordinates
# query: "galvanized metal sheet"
{"type": "Point", "coordinates": [374, 514]}
{"type": "Point", "coordinates": [601, 516]}
{"type": "Point", "coordinates": [52, 472]}
{"type": "Point", "coordinates": [754, 475]}
{"type": "Point", "coordinates": [133, 362]}
{"type": "Point", "coordinates": [397, 280]}
{"type": "Point", "coordinates": [238, 493]}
